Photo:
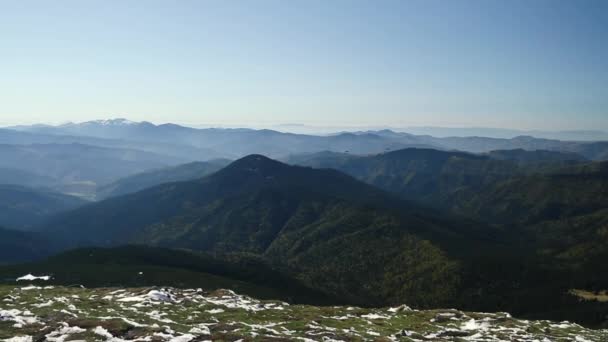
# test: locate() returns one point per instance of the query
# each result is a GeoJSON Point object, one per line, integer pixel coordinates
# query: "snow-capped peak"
{"type": "Point", "coordinates": [104, 122]}
{"type": "Point", "coordinates": [114, 122]}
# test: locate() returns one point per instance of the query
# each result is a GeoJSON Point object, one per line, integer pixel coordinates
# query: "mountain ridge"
{"type": "Point", "coordinates": [292, 216]}
{"type": "Point", "coordinates": [235, 143]}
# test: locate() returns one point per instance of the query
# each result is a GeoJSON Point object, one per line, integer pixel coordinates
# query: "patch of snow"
{"type": "Point", "coordinates": [19, 339]}
{"type": "Point", "coordinates": [128, 321]}
{"type": "Point", "coordinates": [171, 338]}
{"type": "Point", "coordinates": [473, 325]}
{"type": "Point", "coordinates": [200, 330]}
{"type": "Point", "coordinates": [215, 311]}
{"type": "Point", "coordinates": [63, 333]}
{"type": "Point", "coordinates": [374, 316]}
{"type": "Point", "coordinates": [42, 305]}
{"type": "Point", "coordinates": [31, 287]}
{"type": "Point", "coordinates": [160, 296]}
{"type": "Point", "coordinates": [400, 308]}
{"type": "Point", "coordinates": [68, 313]}
{"type": "Point", "coordinates": [19, 317]}
{"type": "Point", "coordinates": [30, 277]}
{"type": "Point", "coordinates": [183, 338]}
{"type": "Point", "coordinates": [130, 299]}
{"type": "Point", "coordinates": [158, 316]}
{"type": "Point", "coordinates": [102, 332]}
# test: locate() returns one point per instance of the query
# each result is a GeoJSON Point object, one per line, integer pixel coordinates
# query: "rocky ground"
{"type": "Point", "coordinates": [46, 313]}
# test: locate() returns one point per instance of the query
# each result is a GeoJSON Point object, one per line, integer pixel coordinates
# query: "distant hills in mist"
{"type": "Point", "coordinates": [436, 131]}
{"type": "Point", "coordinates": [86, 159]}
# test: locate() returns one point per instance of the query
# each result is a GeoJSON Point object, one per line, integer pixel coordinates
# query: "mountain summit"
{"type": "Point", "coordinates": [107, 122]}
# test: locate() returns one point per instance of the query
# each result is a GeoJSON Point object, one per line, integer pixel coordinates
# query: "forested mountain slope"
{"type": "Point", "coordinates": [297, 218]}
{"type": "Point", "coordinates": [353, 241]}
{"type": "Point", "coordinates": [22, 208]}
{"type": "Point", "coordinates": [19, 246]}
{"type": "Point", "coordinates": [152, 178]}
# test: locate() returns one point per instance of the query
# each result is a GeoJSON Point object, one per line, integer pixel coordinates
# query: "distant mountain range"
{"type": "Point", "coordinates": [443, 132]}
{"type": "Point", "coordinates": [235, 143]}
{"type": "Point", "coordinates": [501, 133]}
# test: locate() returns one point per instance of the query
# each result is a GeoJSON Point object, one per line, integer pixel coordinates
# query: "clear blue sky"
{"type": "Point", "coordinates": [515, 64]}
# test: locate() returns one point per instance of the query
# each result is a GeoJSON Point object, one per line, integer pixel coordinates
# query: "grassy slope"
{"type": "Point", "coordinates": [189, 315]}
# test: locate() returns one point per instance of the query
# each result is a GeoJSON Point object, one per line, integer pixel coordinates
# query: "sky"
{"type": "Point", "coordinates": [539, 64]}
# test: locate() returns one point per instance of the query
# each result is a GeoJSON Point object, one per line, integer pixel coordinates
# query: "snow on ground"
{"type": "Point", "coordinates": [59, 314]}
{"type": "Point", "coordinates": [19, 339]}
{"type": "Point", "coordinates": [30, 277]}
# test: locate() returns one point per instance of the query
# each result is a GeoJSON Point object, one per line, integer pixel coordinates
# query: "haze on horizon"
{"type": "Point", "coordinates": [516, 64]}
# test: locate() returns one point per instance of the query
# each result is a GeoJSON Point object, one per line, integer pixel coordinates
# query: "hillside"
{"type": "Point", "coordinates": [152, 178]}
{"type": "Point", "coordinates": [338, 236]}
{"type": "Point", "coordinates": [168, 314]}
{"type": "Point", "coordinates": [422, 175]}
{"type": "Point", "coordinates": [22, 208]}
{"type": "Point", "coordinates": [557, 197]}
{"type": "Point", "coordinates": [558, 207]}
{"type": "Point", "coordinates": [78, 169]}
{"type": "Point", "coordinates": [534, 198]}
{"type": "Point", "coordinates": [133, 265]}
{"type": "Point", "coordinates": [566, 211]}
{"type": "Point", "coordinates": [293, 217]}
{"type": "Point", "coordinates": [536, 156]}
{"type": "Point", "coordinates": [320, 160]}
{"type": "Point", "coordinates": [18, 246]}
{"type": "Point", "coordinates": [251, 176]}
{"type": "Point", "coordinates": [23, 178]}
{"type": "Point", "coordinates": [445, 179]}
{"type": "Point", "coordinates": [594, 151]}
